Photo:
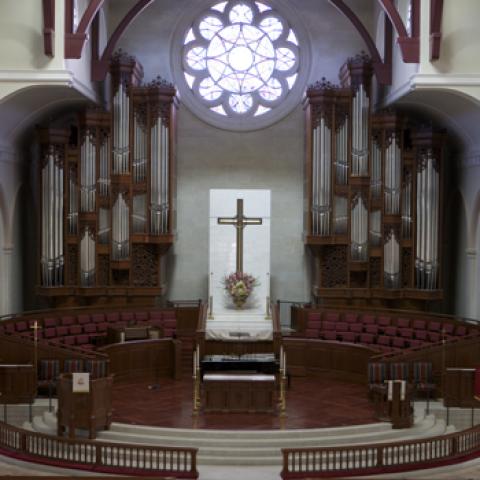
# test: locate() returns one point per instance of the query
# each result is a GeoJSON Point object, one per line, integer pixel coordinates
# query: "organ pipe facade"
{"type": "Point", "coordinates": [373, 195]}
{"type": "Point", "coordinates": [107, 192]}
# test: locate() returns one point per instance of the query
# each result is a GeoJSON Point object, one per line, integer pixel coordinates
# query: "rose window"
{"type": "Point", "coordinates": [241, 59]}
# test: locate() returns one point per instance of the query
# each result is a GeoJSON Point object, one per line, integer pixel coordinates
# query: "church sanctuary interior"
{"type": "Point", "coordinates": [238, 239]}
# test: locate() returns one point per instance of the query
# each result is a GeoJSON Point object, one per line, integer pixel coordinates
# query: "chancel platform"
{"type": "Point", "coordinates": [239, 326]}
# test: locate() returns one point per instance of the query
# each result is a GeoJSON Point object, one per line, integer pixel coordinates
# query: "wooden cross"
{"type": "Point", "coordinates": [35, 327]}
{"type": "Point", "coordinates": [239, 222]}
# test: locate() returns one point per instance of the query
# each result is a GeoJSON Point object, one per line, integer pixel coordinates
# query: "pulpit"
{"type": "Point", "coordinates": [90, 410]}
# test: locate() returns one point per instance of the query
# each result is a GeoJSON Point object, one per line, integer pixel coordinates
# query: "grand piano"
{"type": "Point", "coordinates": [265, 363]}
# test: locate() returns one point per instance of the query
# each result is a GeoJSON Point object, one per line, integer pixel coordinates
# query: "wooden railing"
{"type": "Point", "coordinates": [380, 458]}
{"type": "Point", "coordinates": [103, 457]}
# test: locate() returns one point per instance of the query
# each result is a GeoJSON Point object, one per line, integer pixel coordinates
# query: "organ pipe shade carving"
{"type": "Point", "coordinates": [391, 261]}
{"type": "Point", "coordinates": [376, 176]}
{"type": "Point", "coordinates": [359, 230]}
{"type": "Point", "coordinates": [103, 236]}
{"type": "Point", "coordinates": [341, 215]}
{"type": "Point", "coordinates": [321, 178]}
{"type": "Point", "coordinates": [121, 126]}
{"type": "Point", "coordinates": [360, 132]}
{"type": "Point", "coordinates": [72, 217]}
{"type": "Point", "coordinates": [52, 258]}
{"type": "Point", "coordinates": [393, 177]}
{"type": "Point", "coordinates": [87, 259]}
{"type": "Point", "coordinates": [120, 229]}
{"type": "Point", "coordinates": [341, 164]}
{"type": "Point", "coordinates": [139, 215]}
{"type": "Point", "coordinates": [407, 207]}
{"type": "Point", "coordinates": [427, 222]}
{"type": "Point", "coordinates": [375, 228]}
{"type": "Point", "coordinates": [159, 188]}
{"type": "Point", "coordinates": [87, 174]}
{"type": "Point", "coordinates": [104, 176]}
{"type": "Point", "coordinates": [139, 151]}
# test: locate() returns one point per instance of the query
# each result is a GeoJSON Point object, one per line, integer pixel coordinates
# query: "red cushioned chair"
{"type": "Point", "coordinates": [91, 330]}
{"type": "Point", "coordinates": [398, 342]}
{"type": "Point", "coordinates": [448, 329]}
{"type": "Point", "coordinates": [314, 324]}
{"type": "Point", "coordinates": [69, 340]}
{"type": "Point", "coordinates": [49, 333]}
{"type": "Point", "coordinates": [373, 329]}
{"type": "Point", "coordinates": [102, 327]}
{"type": "Point", "coordinates": [348, 337]}
{"type": "Point", "coordinates": [356, 328]}
{"type": "Point", "coordinates": [328, 326]}
{"type": "Point", "coordinates": [341, 327]}
{"type": "Point", "coordinates": [329, 335]}
{"type": "Point", "coordinates": [75, 329]}
{"type": "Point", "coordinates": [384, 342]}
{"type": "Point", "coordinates": [368, 319]}
{"type": "Point", "coordinates": [61, 331]}
{"type": "Point", "coordinates": [112, 317]}
{"type": "Point", "coordinates": [406, 332]}
{"type": "Point", "coordinates": [414, 343]}
{"type": "Point", "coordinates": [384, 322]}
{"type": "Point", "coordinates": [314, 316]}
{"type": "Point", "coordinates": [367, 338]}
{"type": "Point", "coordinates": [434, 326]}
{"type": "Point", "coordinates": [331, 316]}
{"type": "Point", "coordinates": [82, 339]}
{"type": "Point", "coordinates": [50, 322]}
{"type": "Point", "coordinates": [421, 335]}
{"type": "Point", "coordinates": [98, 317]}
{"type": "Point", "coordinates": [168, 314]}
{"type": "Point", "coordinates": [391, 331]}
{"type": "Point", "coordinates": [141, 317]}
{"type": "Point", "coordinates": [126, 317]}
{"type": "Point", "coordinates": [403, 322]}
{"type": "Point", "coordinates": [83, 319]}
{"type": "Point", "coordinates": [434, 337]}
{"type": "Point", "coordinates": [21, 326]}
{"type": "Point", "coordinates": [68, 320]}
{"type": "Point", "coordinates": [460, 331]}
{"type": "Point", "coordinates": [350, 317]}
{"type": "Point", "coordinates": [419, 324]}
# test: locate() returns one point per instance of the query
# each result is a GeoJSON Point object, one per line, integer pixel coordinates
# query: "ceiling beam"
{"type": "Point", "coordinates": [436, 13]}
{"type": "Point", "coordinates": [49, 27]}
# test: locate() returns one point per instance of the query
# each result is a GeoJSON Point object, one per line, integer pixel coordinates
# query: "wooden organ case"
{"type": "Point", "coordinates": [107, 200]}
{"type": "Point", "coordinates": [373, 197]}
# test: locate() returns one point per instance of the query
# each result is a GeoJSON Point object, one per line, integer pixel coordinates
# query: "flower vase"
{"type": "Point", "coordinates": [239, 301]}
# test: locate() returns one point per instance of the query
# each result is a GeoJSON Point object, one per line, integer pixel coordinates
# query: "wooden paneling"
{"type": "Point", "coordinates": [316, 357]}
{"type": "Point", "coordinates": [17, 384]}
{"type": "Point", "coordinates": [459, 388]}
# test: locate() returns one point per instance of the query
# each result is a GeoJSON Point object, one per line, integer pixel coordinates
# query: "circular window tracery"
{"type": "Point", "coordinates": [241, 60]}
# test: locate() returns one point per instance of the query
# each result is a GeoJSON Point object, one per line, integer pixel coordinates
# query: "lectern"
{"type": "Point", "coordinates": [90, 410]}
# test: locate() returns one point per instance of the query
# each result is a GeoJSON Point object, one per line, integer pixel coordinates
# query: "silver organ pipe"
{"type": "Point", "coordinates": [159, 187]}
{"type": "Point", "coordinates": [103, 226]}
{"type": "Point", "coordinates": [376, 228]}
{"type": "Point", "coordinates": [87, 259]}
{"type": "Point", "coordinates": [407, 207]}
{"type": "Point", "coordinates": [341, 215]}
{"type": "Point", "coordinates": [104, 177]}
{"type": "Point", "coordinates": [360, 132]}
{"type": "Point", "coordinates": [322, 179]}
{"type": "Point", "coordinates": [121, 116]}
{"type": "Point", "coordinates": [391, 261]}
{"type": "Point", "coordinates": [120, 229]}
{"type": "Point", "coordinates": [376, 175]}
{"type": "Point", "coordinates": [393, 177]}
{"type": "Point", "coordinates": [341, 164]}
{"type": "Point", "coordinates": [359, 230]}
{"type": "Point", "coordinates": [139, 152]}
{"type": "Point", "coordinates": [139, 216]}
{"type": "Point", "coordinates": [427, 223]}
{"type": "Point", "coordinates": [87, 174]}
{"type": "Point", "coordinates": [72, 215]}
{"type": "Point", "coordinates": [52, 260]}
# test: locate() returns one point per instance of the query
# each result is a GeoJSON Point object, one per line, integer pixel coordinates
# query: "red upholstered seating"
{"type": "Point", "coordinates": [83, 319]}
{"type": "Point", "coordinates": [384, 341]}
{"type": "Point", "coordinates": [168, 314]}
{"type": "Point", "coordinates": [156, 315]}
{"type": "Point", "coordinates": [341, 327]}
{"type": "Point", "coordinates": [49, 333]}
{"type": "Point", "coordinates": [312, 316]}
{"type": "Point", "coordinates": [398, 342]}
{"type": "Point", "coordinates": [368, 319]}
{"type": "Point", "coordinates": [403, 322]}
{"type": "Point", "coordinates": [141, 316]}
{"type": "Point", "coordinates": [126, 316]}
{"type": "Point", "coordinates": [373, 329]}
{"type": "Point", "coordinates": [331, 316]}
{"type": "Point", "coordinates": [448, 328]}
{"type": "Point", "coordinates": [434, 337]}
{"type": "Point", "coordinates": [314, 324]}
{"type": "Point", "coordinates": [68, 320]}
{"type": "Point", "coordinates": [328, 326]}
{"type": "Point", "coordinates": [383, 321]}
{"type": "Point", "coordinates": [350, 317]}
{"type": "Point", "coordinates": [421, 335]}
{"type": "Point", "coordinates": [391, 331]}
{"type": "Point", "coordinates": [122, 323]}
{"type": "Point", "coordinates": [330, 335]}
{"type": "Point", "coordinates": [460, 331]}
{"type": "Point", "coordinates": [356, 327]}
{"type": "Point", "coordinates": [62, 331]}
{"type": "Point", "coordinates": [434, 326]}
{"type": "Point", "coordinates": [90, 329]}
{"type": "Point", "coordinates": [367, 338]}
{"type": "Point", "coordinates": [98, 317]}
{"type": "Point", "coordinates": [75, 329]}
{"type": "Point", "coordinates": [102, 327]}
{"type": "Point", "coordinates": [82, 339]}
{"type": "Point", "coordinates": [419, 324]}
{"type": "Point", "coordinates": [311, 333]}
{"type": "Point", "coordinates": [69, 340]}
{"type": "Point", "coordinates": [49, 322]}
{"type": "Point", "coordinates": [348, 337]}
{"type": "Point", "coordinates": [21, 326]}
{"type": "Point", "coordinates": [406, 332]}
{"type": "Point", "coordinates": [112, 317]}
{"type": "Point", "coordinates": [414, 343]}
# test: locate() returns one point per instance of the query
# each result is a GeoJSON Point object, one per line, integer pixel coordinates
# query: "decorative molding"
{"type": "Point", "coordinates": [37, 76]}
{"type": "Point", "coordinates": [100, 63]}
{"type": "Point", "coordinates": [382, 68]}
{"type": "Point", "coordinates": [49, 27]}
{"type": "Point", "coordinates": [436, 13]}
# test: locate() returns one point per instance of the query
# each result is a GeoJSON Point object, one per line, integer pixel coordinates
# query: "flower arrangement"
{"type": "Point", "coordinates": [239, 286]}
